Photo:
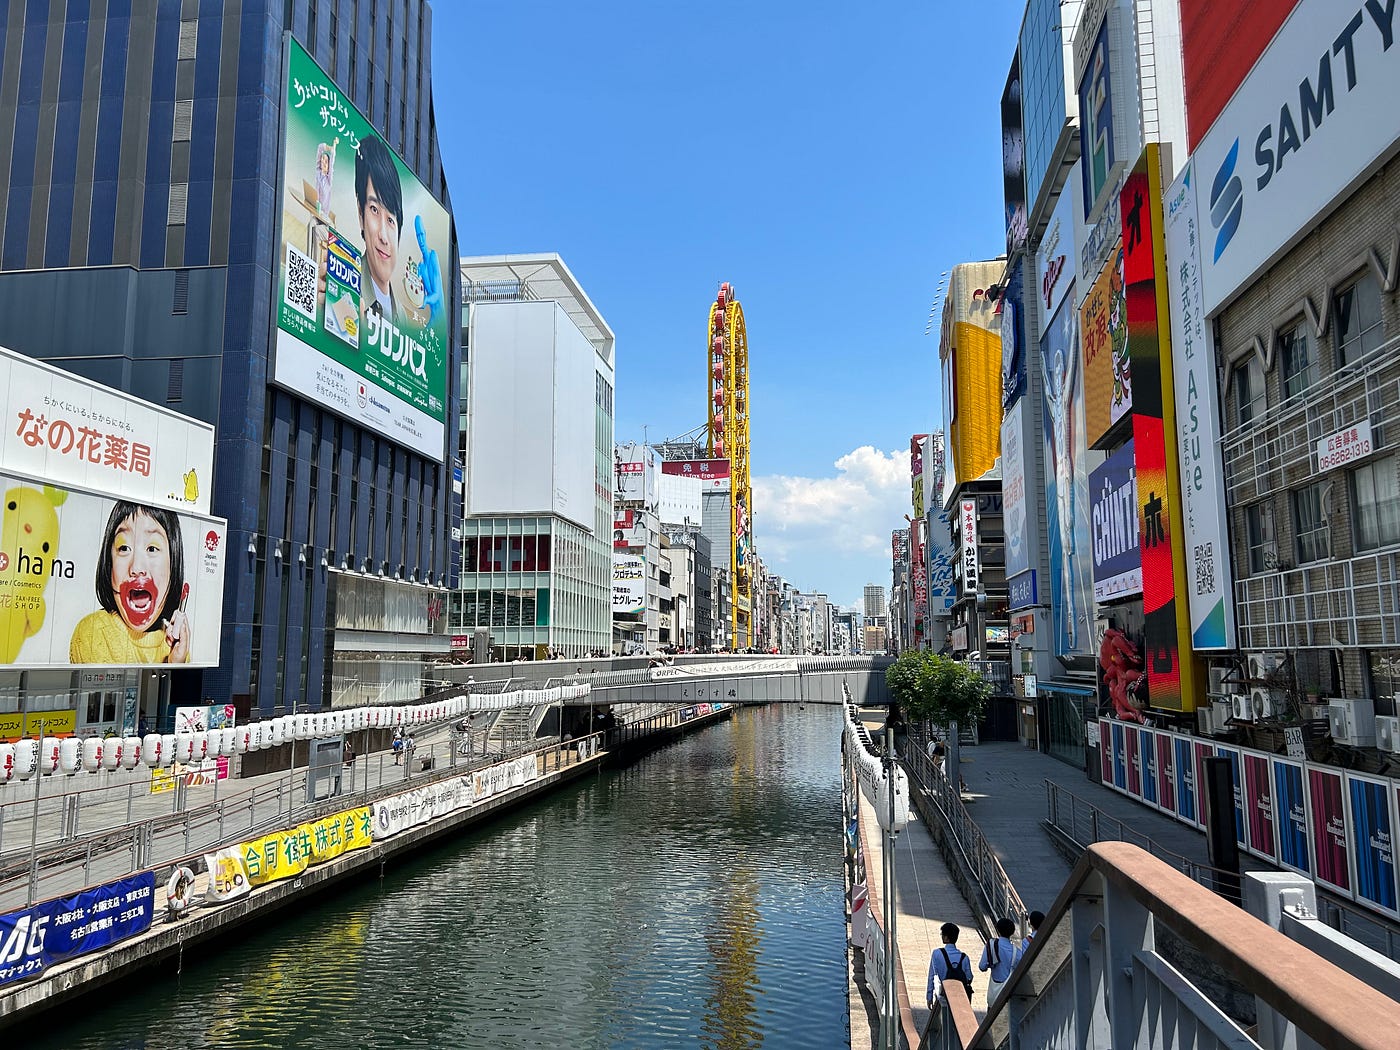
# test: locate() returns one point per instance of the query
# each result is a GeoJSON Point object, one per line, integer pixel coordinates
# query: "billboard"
{"type": "Point", "coordinates": [88, 579]}
{"type": "Point", "coordinates": [916, 472]}
{"type": "Point", "coordinates": [635, 469]}
{"type": "Point", "coordinates": [1013, 335]}
{"type": "Point", "coordinates": [1327, 811]}
{"type": "Point", "coordinates": [363, 326]}
{"type": "Point", "coordinates": [629, 588]}
{"type": "Point", "coordinates": [1103, 325]}
{"type": "Point", "coordinates": [629, 529]}
{"type": "Point", "coordinates": [73, 432]}
{"type": "Point", "coordinates": [1291, 807]}
{"type": "Point", "coordinates": [1300, 130]}
{"type": "Point", "coordinates": [970, 358]}
{"type": "Point", "coordinates": [1013, 491]}
{"type": "Point", "coordinates": [713, 473]}
{"type": "Point", "coordinates": [968, 539]}
{"type": "Point", "coordinates": [1219, 45]}
{"type": "Point", "coordinates": [1194, 380]}
{"type": "Point", "coordinates": [1259, 804]}
{"type": "Point", "coordinates": [1057, 258]}
{"type": "Point", "coordinates": [1368, 801]}
{"type": "Point", "coordinates": [1097, 148]}
{"type": "Point", "coordinates": [1013, 160]}
{"type": "Point", "coordinates": [1114, 527]}
{"type": "Point", "coordinates": [941, 591]}
{"type": "Point", "coordinates": [1067, 489]}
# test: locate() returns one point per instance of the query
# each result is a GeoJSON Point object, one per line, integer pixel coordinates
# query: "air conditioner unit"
{"type": "Point", "coordinates": [1205, 720]}
{"type": "Point", "coordinates": [1267, 703]}
{"type": "Point", "coordinates": [1241, 707]}
{"type": "Point", "coordinates": [1263, 664]}
{"type": "Point", "coordinates": [1388, 734]}
{"type": "Point", "coordinates": [1353, 722]}
{"type": "Point", "coordinates": [1218, 674]}
{"type": "Point", "coordinates": [1222, 712]}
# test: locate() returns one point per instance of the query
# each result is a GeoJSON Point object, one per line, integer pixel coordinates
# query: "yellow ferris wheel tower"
{"type": "Point", "coordinates": [728, 437]}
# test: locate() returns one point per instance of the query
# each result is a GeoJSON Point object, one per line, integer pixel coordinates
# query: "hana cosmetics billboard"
{"type": "Point", "coordinates": [93, 579]}
{"type": "Point", "coordinates": [1194, 379]}
{"type": "Point", "coordinates": [1301, 129]}
{"type": "Point", "coordinates": [1013, 490]}
{"type": "Point", "coordinates": [1114, 526]}
{"type": "Point", "coordinates": [629, 588]}
{"type": "Point", "coordinates": [1103, 327]}
{"type": "Point", "coordinates": [363, 326]}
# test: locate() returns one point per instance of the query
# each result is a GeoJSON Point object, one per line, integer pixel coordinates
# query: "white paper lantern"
{"type": "Point", "coordinates": [279, 732]}
{"type": "Point", "coordinates": [243, 740]}
{"type": "Point", "coordinates": [47, 755]}
{"type": "Point", "coordinates": [213, 741]}
{"type": "Point", "coordinates": [152, 750]}
{"type": "Point", "coordinates": [301, 727]}
{"type": "Point", "coordinates": [112, 753]}
{"type": "Point", "coordinates": [26, 758]}
{"type": "Point", "coordinates": [70, 756]}
{"type": "Point", "coordinates": [93, 751]}
{"type": "Point", "coordinates": [7, 763]}
{"type": "Point", "coordinates": [227, 738]}
{"type": "Point", "coordinates": [167, 749]}
{"type": "Point", "coordinates": [131, 752]}
{"type": "Point", "coordinates": [184, 747]}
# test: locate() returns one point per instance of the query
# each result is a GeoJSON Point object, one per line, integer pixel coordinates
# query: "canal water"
{"type": "Point", "coordinates": [693, 898]}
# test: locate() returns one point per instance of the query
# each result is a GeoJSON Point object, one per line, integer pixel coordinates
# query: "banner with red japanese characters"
{"type": "Point", "coordinates": [112, 582]}
{"type": "Point", "coordinates": [69, 431]}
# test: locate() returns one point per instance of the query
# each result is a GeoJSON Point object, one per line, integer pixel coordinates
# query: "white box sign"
{"type": "Point", "coordinates": [1345, 446]}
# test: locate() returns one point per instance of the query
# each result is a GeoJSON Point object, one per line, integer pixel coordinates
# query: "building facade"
{"type": "Point", "coordinates": [160, 166]}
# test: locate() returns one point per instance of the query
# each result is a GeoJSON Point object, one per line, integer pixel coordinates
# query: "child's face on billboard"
{"type": "Point", "coordinates": [140, 570]}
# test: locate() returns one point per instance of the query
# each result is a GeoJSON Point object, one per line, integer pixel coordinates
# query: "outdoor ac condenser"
{"type": "Point", "coordinates": [1353, 722]}
{"type": "Point", "coordinates": [1388, 734]}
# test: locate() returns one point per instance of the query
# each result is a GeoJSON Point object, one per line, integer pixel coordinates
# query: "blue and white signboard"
{"type": "Point", "coordinates": [1021, 591]}
{"type": "Point", "coordinates": [1113, 524]}
{"type": "Point", "coordinates": [52, 932]}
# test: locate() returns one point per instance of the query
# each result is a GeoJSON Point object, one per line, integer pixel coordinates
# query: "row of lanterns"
{"type": "Point", "coordinates": [717, 365]}
{"type": "Point", "coordinates": [24, 758]}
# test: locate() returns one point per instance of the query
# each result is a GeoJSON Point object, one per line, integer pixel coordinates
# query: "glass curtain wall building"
{"type": "Point", "coordinates": [148, 195]}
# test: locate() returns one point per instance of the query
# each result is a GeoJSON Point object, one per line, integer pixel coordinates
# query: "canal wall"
{"type": "Point", "coordinates": [166, 941]}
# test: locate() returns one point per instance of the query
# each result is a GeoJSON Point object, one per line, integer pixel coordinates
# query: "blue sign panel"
{"type": "Point", "coordinates": [35, 938]}
{"type": "Point", "coordinates": [1021, 590]}
{"type": "Point", "coordinates": [1185, 780]}
{"type": "Point", "coordinates": [1290, 804]}
{"type": "Point", "coordinates": [1237, 778]}
{"type": "Point", "coordinates": [1375, 856]}
{"type": "Point", "coordinates": [1147, 744]}
{"type": "Point", "coordinates": [1113, 525]}
{"type": "Point", "coordinates": [1120, 757]}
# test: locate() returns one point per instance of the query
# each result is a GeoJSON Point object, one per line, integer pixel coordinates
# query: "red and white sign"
{"type": "Point", "coordinates": [69, 431]}
{"type": "Point", "coordinates": [1345, 446]}
{"type": "Point", "coordinates": [632, 468]}
{"type": "Point", "coordinates": [969, 545]}
{"type": "Point", "coordinates": [713, 472]}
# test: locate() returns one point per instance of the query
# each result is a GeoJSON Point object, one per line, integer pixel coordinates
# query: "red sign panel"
{"type": "Point", "coordinates": [711, 470]}
{"type": "Point", "coordinates": [1220, 43]}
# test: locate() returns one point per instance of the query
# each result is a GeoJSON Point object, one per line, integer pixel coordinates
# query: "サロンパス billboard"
{"type": "Point", "coordinates": [88, 579]}
{"type": "Point", "coordinates": [362, 311]}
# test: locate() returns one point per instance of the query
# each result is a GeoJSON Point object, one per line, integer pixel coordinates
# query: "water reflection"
{"type": "Point", "coordinates": [691, 899]}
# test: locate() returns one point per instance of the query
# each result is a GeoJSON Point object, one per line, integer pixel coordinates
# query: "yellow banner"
{"type": "Point", "coordinates": [162, 780]}
{"type": "Point", "coordinates": [13, 725]}
{"type": "Point", "coordinates": [288, 853]}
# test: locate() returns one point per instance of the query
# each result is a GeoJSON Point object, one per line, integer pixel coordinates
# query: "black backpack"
{"type": "Point", "coordinates": [955, 972]}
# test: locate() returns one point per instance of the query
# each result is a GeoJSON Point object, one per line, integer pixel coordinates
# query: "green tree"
{"type": "Point", "coordinates": [933, 688]}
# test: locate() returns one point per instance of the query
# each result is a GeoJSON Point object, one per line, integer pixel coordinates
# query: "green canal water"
{"type": "Point", "coordinates": [693, 899]}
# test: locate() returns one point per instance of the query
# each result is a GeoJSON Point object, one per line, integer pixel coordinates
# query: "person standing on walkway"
{"type": "Point", "coordinates": [1034, 919]}
{"type": "Point", "coordinates": [999, 956]}
{"type": "Point", "coordinates": [948, 965]}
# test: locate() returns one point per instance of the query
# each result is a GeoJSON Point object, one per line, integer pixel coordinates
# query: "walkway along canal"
{"type": "Point", "coordinates": [691, 897]}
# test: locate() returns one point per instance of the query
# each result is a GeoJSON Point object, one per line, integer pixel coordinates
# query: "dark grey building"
{"type": "Point", "coordinates": [140, 144]}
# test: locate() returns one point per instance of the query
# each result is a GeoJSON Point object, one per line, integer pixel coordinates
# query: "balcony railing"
{"type": "Point", "coordinates": [1337, 604]}
{"type": "Point", "coordinates": [996, 672]}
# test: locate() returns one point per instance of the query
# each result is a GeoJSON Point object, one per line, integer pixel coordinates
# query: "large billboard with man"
{"type": "Point", "coordinates": [362, 320]}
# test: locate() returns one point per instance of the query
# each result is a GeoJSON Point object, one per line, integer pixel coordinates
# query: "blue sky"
{"type": "Point", "coordinates": [830, 160]}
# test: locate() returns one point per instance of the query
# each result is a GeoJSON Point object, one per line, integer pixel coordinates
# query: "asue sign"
{"type": "Point", "coordinates": [1301, 129]}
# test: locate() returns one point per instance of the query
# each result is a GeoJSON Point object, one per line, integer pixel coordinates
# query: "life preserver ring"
{"type": "Point", "coordinates": [179, 891]}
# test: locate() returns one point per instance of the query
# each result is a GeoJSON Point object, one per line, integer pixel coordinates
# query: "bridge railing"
{"type": "Point", "coordinates": [1106, 969]}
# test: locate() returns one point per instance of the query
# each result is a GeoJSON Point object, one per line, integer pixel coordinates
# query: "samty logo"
{"type": "Point", "coordinates": [1226, 201]}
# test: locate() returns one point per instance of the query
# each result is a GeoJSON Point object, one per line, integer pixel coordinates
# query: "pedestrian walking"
{"type": "Point", "coordinates": [948, 965]}
{"type": "Point", "coordinates": [1034, 919]}
{"type": "Point", "coordinates": [999, 957]}
{"type": "Point", "coordinates": [398, 745]}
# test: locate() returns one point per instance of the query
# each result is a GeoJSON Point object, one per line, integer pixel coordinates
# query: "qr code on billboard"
{"type": "Point", "coordinates": [300, 286]}
{"type": "Point", "coordinates": [1205, 568]}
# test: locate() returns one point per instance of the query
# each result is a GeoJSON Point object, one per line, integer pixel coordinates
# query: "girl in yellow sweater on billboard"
{"type": "Point", "coordinates": [142, 590]}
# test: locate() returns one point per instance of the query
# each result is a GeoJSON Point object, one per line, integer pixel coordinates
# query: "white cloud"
{"type": "Point", "coordinates": [832, 534]}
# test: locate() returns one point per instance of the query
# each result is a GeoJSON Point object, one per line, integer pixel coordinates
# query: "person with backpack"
{"type": "Point", "coordinates": [948, 967]}
{"type": "Point", "coordinates": [999, 956]}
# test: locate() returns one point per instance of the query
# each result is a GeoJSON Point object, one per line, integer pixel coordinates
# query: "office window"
{"type": "Point", "coordinates": [1310, 525]}
{"type": "Point", "coordinates": [1296, 359]}
{"type": "Point", "coordinates": [1376, 499]}
{"type": "Point", "coordinates": [1357, 312]}
{"type": "Point", "coordinates": [1250, 401]}
{"type": "Point", "coordinates": [1259, 530]}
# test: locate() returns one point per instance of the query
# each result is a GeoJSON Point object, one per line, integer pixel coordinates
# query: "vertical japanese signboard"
{"type": "Point", "coordinates": [1203, 512]}
{"type": "Point", "coordinates": [969, 545]}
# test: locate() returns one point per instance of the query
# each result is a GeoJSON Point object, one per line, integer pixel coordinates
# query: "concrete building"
{"type": "Point", "coordinates": [537, 556]}
{"type": "Point", "coordinates": [874, 601]}
{"type": "Point", "coordinates": [152, 153]}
